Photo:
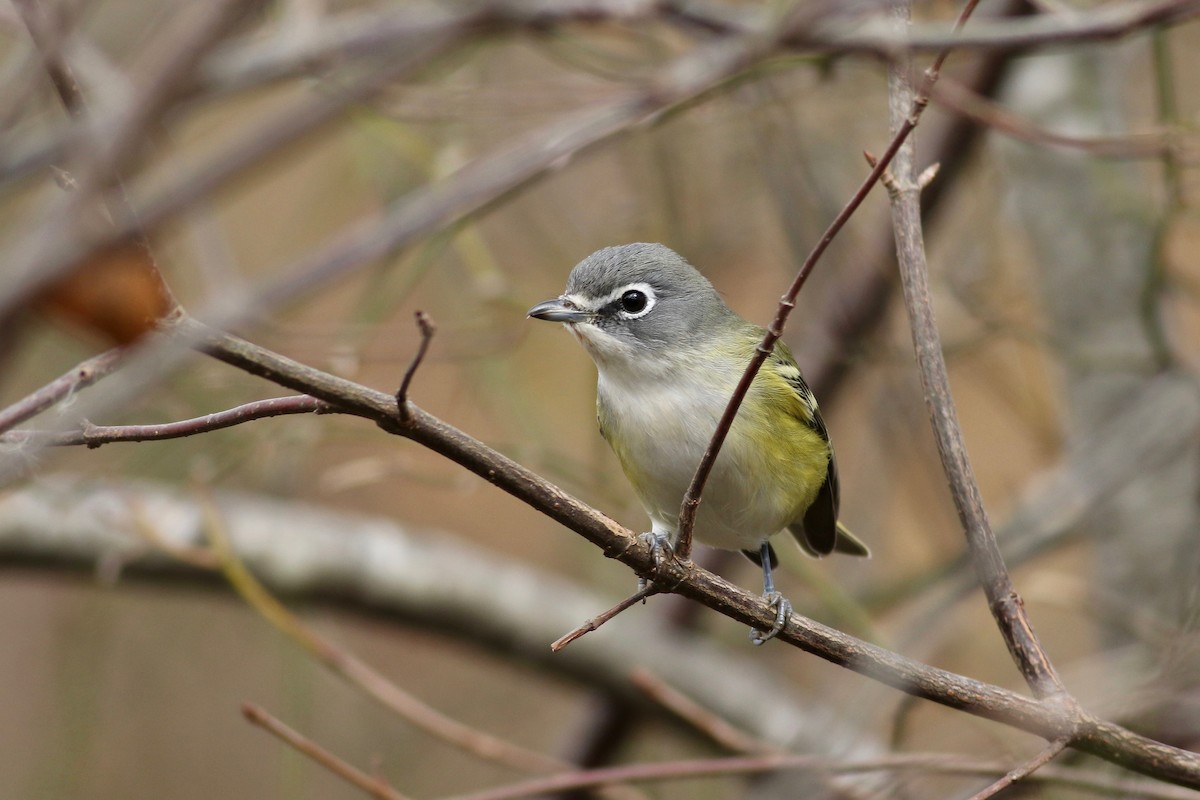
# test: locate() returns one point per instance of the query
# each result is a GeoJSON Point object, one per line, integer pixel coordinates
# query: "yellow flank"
{"type": "Point", "coordinates": [770, 468]}
{"type": "Point", "coordinates": [777, 423]}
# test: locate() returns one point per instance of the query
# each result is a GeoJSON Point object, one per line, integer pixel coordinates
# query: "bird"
{"type": "Point", "coordinates": [669, 353]}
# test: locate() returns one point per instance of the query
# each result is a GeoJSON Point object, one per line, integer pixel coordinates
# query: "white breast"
{"type": "Point", "coordinates": [660, 425]}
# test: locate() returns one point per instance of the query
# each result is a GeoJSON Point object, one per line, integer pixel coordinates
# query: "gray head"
{"type": "Point", "coordinates": [636, 299]}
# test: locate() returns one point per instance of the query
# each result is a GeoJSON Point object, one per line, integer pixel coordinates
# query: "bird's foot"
{"type": "Point", "coordinates": [783, 610]}
{"type": "Point", "coordinates": [660, 551]}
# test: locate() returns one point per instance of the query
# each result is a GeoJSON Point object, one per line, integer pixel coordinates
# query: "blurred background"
{"type": "Point", "coordinates": [1066, 277]}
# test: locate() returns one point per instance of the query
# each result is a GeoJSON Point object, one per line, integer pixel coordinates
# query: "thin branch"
{"type": "Point", "coordinates": [691, 499]}
{"type": "Point", "coordinates": [373, 786]}
{"type": "Point", "coordinates": [341, 661]}
{"type": "Point", "coordinates": [590, 625]}
{"type": "Point", "coordinates": [1050, 721]}
{"type": "Point", "coordinates": [962, 100]}
{"type": "Point", "coordinates": [712, 726]}
{"type": "Point", "coordinates": [93, 436]}
{"type": "Point", "coordinates": [1023, 771]}
{"type": "Point", "coordinates": [750, 765]}
{"type": "Point", "coordinates": [66, 385]}
{"type": "Point", "coordinates": [428, 329]}
{"type": "Point", "coordinates": [1005, 604]}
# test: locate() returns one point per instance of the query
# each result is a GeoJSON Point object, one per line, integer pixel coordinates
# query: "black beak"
{"type": "Point", "coordinates": [559, 310]}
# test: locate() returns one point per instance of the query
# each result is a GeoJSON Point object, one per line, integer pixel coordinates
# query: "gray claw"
{"type": "Point", "coordinates": [783, 611]}
{"type": "Point", "coordinates": [660, 549]}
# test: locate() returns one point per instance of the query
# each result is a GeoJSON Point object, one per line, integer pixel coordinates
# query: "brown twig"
{"type": "Point", "coordinates": [649, 590]}
{"type": "Point", "coordinates": [750, 765]}
{"type": "Point", "coordinates": [428, 329]}
{"type": "Point", "coordinates": [78, 377]}
{"type": "Point", "coordinates": [1023, 771]}
{"type": "Point", "coordinates": [699, 717]}
{"type": "Point", "coordinates": [691, 499]}
{"type": "Point", "coordinates": [370, 784]}
{"type": "Point", "coordinates": [962, 100]}
{"type": "Point", "coordinates": [96, 435]}
{"type": "Point", "coordinates": [346, 664]}
{"type": "Point", "coordinates": [1003, 600]}
{"type": "Point", "coordinates": [1086, 732]}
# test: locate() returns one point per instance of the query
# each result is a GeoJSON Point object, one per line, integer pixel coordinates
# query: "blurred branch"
{"type": "Point", "coordinates": [373, 567]}
{"type": "Point", "coordinates": [109, 142]}
{"type": "Point", "coordinates": [1084, 779]}
{"type": "Point", "coordinates": [46, 255]}
{"type": "Point", "coordinates": [713, 727]}
{"type": "Point", "coordinates": [1023, 771]}
{"type": "Point", "coordinates": [1153, 426]}
{"type": "Point", "coordinates": [993, 115]}
{"type": "Point", "coordinates": [373, 786]}
{"type": "Point", "coordinates": [344, 663]}
{"type": "Point", "coordinates": [79, 377]}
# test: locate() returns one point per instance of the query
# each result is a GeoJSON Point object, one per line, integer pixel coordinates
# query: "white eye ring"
{"type": "Point", "coordinates": [636, 300]}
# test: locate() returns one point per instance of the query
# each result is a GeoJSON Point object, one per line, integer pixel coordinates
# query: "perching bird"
{"type": "Point", "coordinates": [669, 354]}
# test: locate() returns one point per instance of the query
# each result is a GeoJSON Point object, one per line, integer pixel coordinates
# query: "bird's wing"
{"type": "Point", "coordinates": [816, 531]}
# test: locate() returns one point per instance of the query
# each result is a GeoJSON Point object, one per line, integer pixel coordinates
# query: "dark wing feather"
{"type": "Point", "coordinates": [756, 557]}
{"type": "Point", "coordinates": [817, 532]}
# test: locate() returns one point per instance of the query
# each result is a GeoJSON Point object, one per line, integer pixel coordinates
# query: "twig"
{"type": "Point", "coordinates": [79, 377]}
{"type": "Point", "coordinates": [749, 765]}
{"type": "Point", "coordinates": [96, 435]}
{"type": "Point", "coordinates": [428, 329]}
{"type": "Point", "coordinates": [699, 717]}
{"type": "Point", "coordinates": [1087, 732]}
{"type": "Point", "coordinates": [963, 100]}
{"type": "Point", "coordinates": [341, 661]}
{"type": "Point", "coordinates": [649, 590]}
{"type": "Point", "coordinates": [1005, 604]}
{"type": "Point", "coordinates": [373, 786]}
{"type": "Point", "coordinates": [691, 499]}
{"type": "Point", "coordinates": [1023, 771]}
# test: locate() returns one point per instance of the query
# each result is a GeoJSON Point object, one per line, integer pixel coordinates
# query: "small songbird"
{"type": "Point", "coordinates": [669, 354]}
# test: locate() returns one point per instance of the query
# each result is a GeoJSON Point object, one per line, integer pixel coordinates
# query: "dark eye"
{"type": "Point", "coordinates": [633, 301]}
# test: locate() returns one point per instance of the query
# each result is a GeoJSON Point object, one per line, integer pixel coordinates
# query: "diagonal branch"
{"type": "Point", "coordinates": [375, 787]}
{"type": "Point", "coordinates": [691, 500]}
{"type": "Point", "coordinates": [1051, 721]}
{"type": "Point", "coordinates": [1003, 600]}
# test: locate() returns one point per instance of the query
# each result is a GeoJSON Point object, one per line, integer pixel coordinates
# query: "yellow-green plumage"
{"type": "Point", "coordinates": [771, 468]}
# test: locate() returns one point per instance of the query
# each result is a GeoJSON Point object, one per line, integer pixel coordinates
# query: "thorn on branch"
{"type": "Point", "coordinates": [928, 175]}
{"type": "Point", "coordinates": [428, 329]}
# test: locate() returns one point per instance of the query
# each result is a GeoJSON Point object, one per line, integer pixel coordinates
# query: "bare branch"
{"type": "Point", "coordinates": [347, 665]}
{"type": "Point", "coordinates": [1023, 771]}
{"type": "Point", "coordinates": [749, 765]}
{"type": "Point", "coordinates": [712, 726]}
{"type": "Point", "coordinates": [1049, 720]}
{"type": "Point", "coordinates": [593, 624]}
{"type": "Point", "coordinates": [79, 377]}
{"type": "Point", "coordinates": [96, 435]}
{"type": "Point", "coordinates": [373, 786]}
{"type": "Point", "coordinates": [959, 98]}
{"type": "Point", "coordinates": [1003, 600]}
{"type": "Point", "coordinates": [373, 567]}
